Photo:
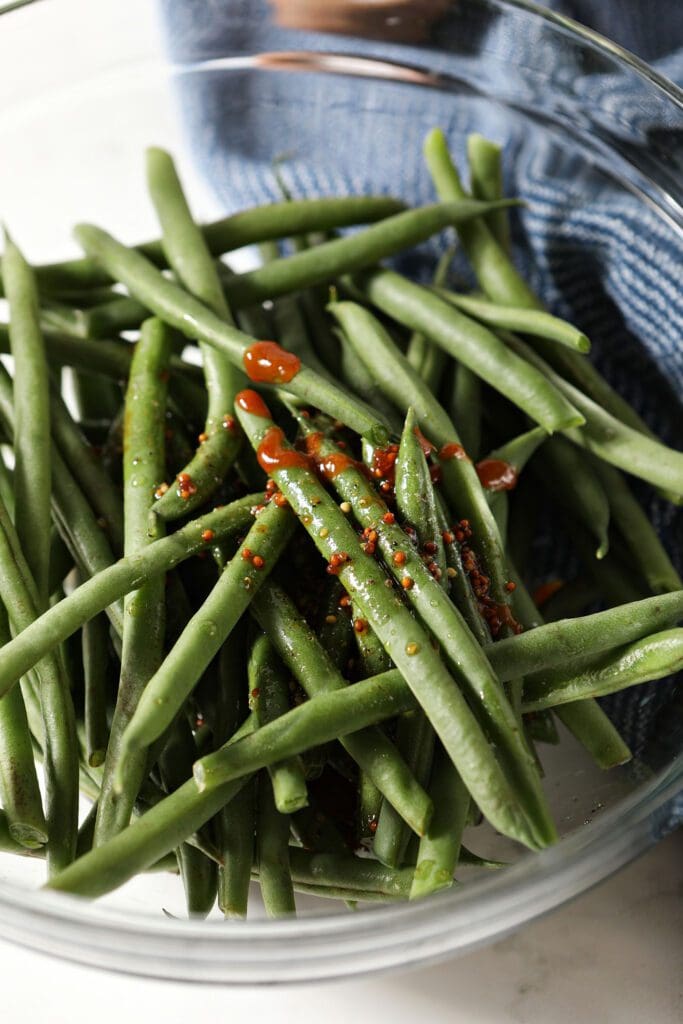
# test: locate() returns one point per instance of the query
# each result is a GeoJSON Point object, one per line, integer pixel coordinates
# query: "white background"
{"type": "Point", "coordinates": [615, 956]}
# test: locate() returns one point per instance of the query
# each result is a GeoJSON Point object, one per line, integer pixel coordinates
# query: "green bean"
{"type": "Point", "coordinates": [201, 639]}
{"type": "Point", "coordinates": [145, 841]}
{"type": "Point", "coordinates": [31, 403]}
{"type": "Point", "coordinates": [237, 847]}
{"type": "Point", "coordinates": [559, 643]}
{"type": "Point", "coordinates": [248, 227]}
{"type": "Point", "coordinates": [128, 574]}
{"type": "Point", "coordinates": [301, 652]}
{"type": "Point", "coordinates": [415, 498]}
{"type": "Point", "coordinates": [342, 871]}
{"type": "Point", "coordinates": [195, 320]}
{"type": "Point", "coordinates": [335, 631]}
{"type": "Point", "coordinates": [644, 660]}
{"type": "Point", "coordinates": [462, 652]}
{"type": "Point", "coordinates": [347, 710]}
{"type": "Point", "coordinates": [644, 546]}
{"type": "Point", "coordinates": [18, 781]}
{"type": "Point", "coordinates": [495, 273]}
{"type": "Point", "coordinates": [415, 741]}
{"type": "Point", "coordinates": [95, 641]}
{"type": "Point", "coordinates": [313, 306]}
{"type": "Point", "coordinates": [373, 660]}
{"type": "Point", "coordinates": [486, 182]}
{"type": "Point", "coordinates": [610, 439]}
{"type": "Point", "coordinates": [269, 689]}
{"type": "Point", "coordinates": [474, 345]}
{"type": "Point", "coordinates": [515, 454]}
{"type": "Point", "coordinates": [291, 331]}
{"type": "Point", "coordinates": [460, 589]}
{"type": "Point", "coordinates": [56, 714]}
{"type": "Point", "coordinates": [104, 320]}
{"type": "Point", "coordinates": [503, 285]}
{"type": "Point", "coordinates": [80, 530]}
{"type": "Point", "coordinates": [465, 408]}
{"type": "Point", "coordinates": [428, 359]}
{"type": "Point", "coordinates": [187, 253]}
{"type": "Point", "coordinates": [145, 609]}
{"type": "Point", "coordinates": [417, 506]}
{"type": "Point", "coordinates": [526, 321]}
{"type": "Point", "coordinates": [355, 375]}
{"type": "Point", "coordinates": [87, 470]}
{"type": "Point", "coordinates": [172, 820]}
{"type": "Point", "coordinates": [586, 720]}
{"type": "Point", "coordinates": [198, 872]}
{"type": "Point", "coordinates": [403, 638]}
{"type": "Point", "coordinates": [234, 823]}
{"type": "Point", "coordinates": [439, 849]}
{"type": "Point", "coordinates": [575, 486]}
{"type": "Point", "coordinates": [272, 853]}
{"type": "Point", "coordinates": [462, 488]}
{"type": "Point", "coordinates": [346, 255]}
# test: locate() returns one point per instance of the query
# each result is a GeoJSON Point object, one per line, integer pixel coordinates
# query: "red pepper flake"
{"type": "Point", "coordinates": [258, 562]}
{"type": "Point", "coordinates": [280, 500]}
{"type": "Point", "coordinates": [269, 363]}
{"type": "Point", "coordinates": [546, 590]}
{"type": "Point", "coordinates": [255, 693]}
{"type": "Point", "coordinates": [510, 586]}
{"type": "Point", "coordinates": [389, 518]}
{"type": "Point", "coordinates": [247, 554]}
{"type": "Point", "coordinates": [229, 422]}
{"type": "Point", "coordinates": [399, 558]}
{"type": "Point", "coordinates": [360, 625]}
{"type": "Point", "coordinates": [448, 537]}
{"type": "Point", "coordinates": [344, 601]}
{"type": "Point", "coordinates": [453, 451]}
{"type": "Point", "coordinates": [430, 548]}
{"type": "Point", "coordinates": [207, 536]}
{"type": "Point", "coordinates": [497, 475]}
{"type": "Point", "coordinates": [203, 437]}
{"type": "Point", "coordinates": [372, 825]}
{"type": "Point", "coordinates": [434, 570]}
{"type": "Point", "coordinates": [407, 583]}
{"type": "Point", "coordinates": [336, 562]}
{"type": "Point", "coordinates": [186, 486]}
{"type": "Point", "coordinates": [161, 490]}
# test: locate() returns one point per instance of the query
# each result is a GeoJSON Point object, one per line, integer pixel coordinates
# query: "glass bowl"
{"type": "Point", "coordinates": [236, 90]}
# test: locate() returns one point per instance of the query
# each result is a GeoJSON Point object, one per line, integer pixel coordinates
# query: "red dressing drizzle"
{"type": "Point", "coordinates": [496, 475]}
{"type": "Point", "coordinates": [268, 363]}
{"type": "Point", "coordinates": [275, 453]}
{"type": "Point", "coordinates": [453, 451]}
{"type": "Point", "coordinates": [251, 402]}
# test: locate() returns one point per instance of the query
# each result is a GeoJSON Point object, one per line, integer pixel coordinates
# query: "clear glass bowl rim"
{"type": "Point", "coordinates": [326, 947]}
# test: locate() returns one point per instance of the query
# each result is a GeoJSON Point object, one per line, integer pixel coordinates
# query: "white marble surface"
{"type": "Point", "coordinates": [615, 955]}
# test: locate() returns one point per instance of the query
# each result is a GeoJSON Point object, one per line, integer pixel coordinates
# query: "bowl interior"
{"type": "Point", "coordinates": [577, 151]}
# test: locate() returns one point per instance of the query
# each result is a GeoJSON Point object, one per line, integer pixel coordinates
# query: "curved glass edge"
{"type": "Point", "coordinates": [333, 947]}
{"type": "Point", "coordinates": [600, 42]}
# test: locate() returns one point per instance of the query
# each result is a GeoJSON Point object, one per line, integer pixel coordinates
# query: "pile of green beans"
{"type": "Point", "coordinates": [265, 614]}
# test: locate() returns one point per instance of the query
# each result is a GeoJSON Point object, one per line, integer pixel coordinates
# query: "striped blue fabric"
{"type": "Point", "coordinates": [597, 254]}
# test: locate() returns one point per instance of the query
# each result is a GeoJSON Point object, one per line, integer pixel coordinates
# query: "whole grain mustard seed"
{"type": "Point", "coordinates": [412, 648]}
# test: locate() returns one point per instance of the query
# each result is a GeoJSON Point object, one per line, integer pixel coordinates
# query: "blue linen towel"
{"type": "Point", "coordinates": [598, 256]}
